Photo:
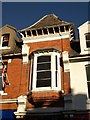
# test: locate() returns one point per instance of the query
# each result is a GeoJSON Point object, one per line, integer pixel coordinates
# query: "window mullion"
{"type": "Point", "coordinates": [34, 73]}
{"type": "Point", "coordinates": [58, 72]}
{"type": "Point", "coordinates": [53, 84]}
{"type": "Point", "coordinates": [31, 74]}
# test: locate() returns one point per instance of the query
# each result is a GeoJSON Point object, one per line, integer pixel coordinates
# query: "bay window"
{"type": "Point", "coordinates": [45, 70]}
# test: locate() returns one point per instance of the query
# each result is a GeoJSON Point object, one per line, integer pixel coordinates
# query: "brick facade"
{"type": "Point", "coordinates": [19, 77]}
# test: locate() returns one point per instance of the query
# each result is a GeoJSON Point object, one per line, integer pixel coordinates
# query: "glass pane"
{"type": "Point", "coordinates": [88, 72]}
{"type": "Point", "coordinates": [88, 44]}
{"type": "Point", "coordinates": [44, 75]}
{"type": "Point", "coordinates": [67, 28]}
{"type": "Point", "coordinates": [45, 31]}
{"type": "Point", "coordinates": [34, 32]}
{"type": "Point", "coordinates": [39, 31]}
{"type": "Point", "coordinates": [56, 29]}
{"type": "Point", "coordinates": [88, 36]}
{"type": "Point", "coordinates": [43, 83]}
{"type": "Point", "coordinates": [5, 43]}
{"type": "Point", "coordinates": [44, 59]}
{"type": "Point", "coordinates": [89, 89]}
{"type": "Point", "coordinates": [51, 30]}
{"type": "Point", "coordinates": [62, 28]}
{"type": "Point", "coordinates": [45, 66]}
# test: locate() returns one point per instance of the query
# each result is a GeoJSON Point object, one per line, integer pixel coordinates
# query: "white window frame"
{"type": "Point", "coordinates": [86, 48]}
{"type": "Point", "coordinates": [3, 47]}
{"type": "Point", "coordinates": [53, 66]}
{"type": "Point", "coordinates": [87, 64]}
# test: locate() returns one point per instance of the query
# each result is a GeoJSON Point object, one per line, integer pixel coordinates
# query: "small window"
{"type": "Point", "coordinates": [56, 29]}
{"type": "Point", "coordinates": [39, 31]}
{"type": "Point", "coordinates": [51, 31]}
{"type": "Point", "coordinates": [34, 32]}
{"type": "Point", "coordinates": [62, 28]}
{"type": "Point", "coordinates": [88, 78]}
{"type": "Point", "coordinates": [67, 28]}
{"type": "Point", "coordinates": [28, 33]}
{"type": "Point", "coordinates": [87, 39]}
{"type": "Point", "coordinates": [5, 40]}
{"type": "Point", "coordinates": [45, 31]}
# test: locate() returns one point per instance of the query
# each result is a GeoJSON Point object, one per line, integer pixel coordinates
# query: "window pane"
{"type": "Point", "coordinates": [87, 39]}
{"type": "Point", "coordinates": [5, 40]}
{"type": "Point", "coordinates": [45, 66]}
{"type": "Point", "coordinates": [5, 43]}
{"type": "Point", "coordinates": [43, 83]}
{"type": "Point", "coordinates": [28, 33]}
{"type": "Point", "coordinates": [67, 28]}
{"type": "Point", "coordinates": [45, 31]}
{"type": "Point", "coordinates": [89, 89]}
{"type": "Point", "coordinates": [88, 44]}
{"type": "Point", "coordinates": [44, 75]}
{"type": "Point", "coordinates": [56, 29]}
{"type": "Point", "coordinates": [39, 31]}
{"type": "Point", "coordinates": [88, 72]}
{"type": "Point", "coordinates": [44, 59]}
{"type": "Point", "coordinates": [62, 28]}
{"type": "Point", "coordinates": [34, 32]}
{"type": "Point", "coordinates": [51, 30]}
{"type": "Point", "coordinates": [88, 36]}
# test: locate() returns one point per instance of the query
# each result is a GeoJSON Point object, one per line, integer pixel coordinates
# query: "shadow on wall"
{"type": "Point", "coordinates": [79, 101]}
{"type": "Point", "coordinates": [46, 99]}
{"type": "Point", "coordinates": [77, 111]}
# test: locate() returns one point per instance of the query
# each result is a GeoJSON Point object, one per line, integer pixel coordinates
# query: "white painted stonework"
{"type": "Point", "coordinates": [66, 61]}
{"type": "Point", "coordinates": [83, 29]}
{"type": "Point", "coordinates": [21, 104]}
{"type": "Point", "coordinates": [25, 50]}
{"type": "Point", "coordinates": [49, 37]}
{"type": "Point", "coordinates": [78, 85]}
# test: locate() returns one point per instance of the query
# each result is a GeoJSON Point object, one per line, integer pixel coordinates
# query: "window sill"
{"type": "Point", "coordinates": [87, 49]}
{"type": "Point", "coordinates": [2, 93]}
{"type": "Point", "coordinates": [4, 48]}
{"type": "Point", "coordinates": [47, 90]}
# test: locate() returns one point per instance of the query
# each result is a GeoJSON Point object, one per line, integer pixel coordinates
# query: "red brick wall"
{"type": "Point", "coordinates": [59, 44]}
{"type": "Point", "coordinates": [41, 99]}
{"type": "Point", "coordinates": [19, 76]}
